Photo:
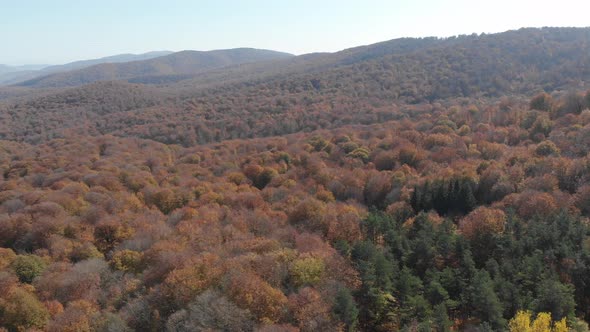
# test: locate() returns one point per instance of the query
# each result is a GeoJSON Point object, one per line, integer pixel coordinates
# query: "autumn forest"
{"type": "Point", "coordinates": [434, 184]}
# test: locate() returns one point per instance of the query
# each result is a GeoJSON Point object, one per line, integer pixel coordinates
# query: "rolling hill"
{"type": "Point", "coordinates": [313, 91]}
{"type": "Point", "coordinates": [180, 63]}
{"type": "Point", "coordinates": [12, 74]}
{"type": "Point", "coordinates": [119, 58]}
{"type": "Point", "coordinates": [432, 184]}
{"type": "Point", "coordinates": [15, 74]}
{"type": "Point", "coordinates": [10, 69]}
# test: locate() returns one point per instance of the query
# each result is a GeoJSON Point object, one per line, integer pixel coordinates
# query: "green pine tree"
{"type": "Point", "coordinates": [346, 310]}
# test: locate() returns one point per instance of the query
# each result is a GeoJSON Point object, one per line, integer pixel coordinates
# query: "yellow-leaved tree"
{"type": "Point", "coordinates": [542, 323]}
{"type": "Point", "coordinates": [522, 322]}
{"type": "Point", "coordinates": [560, 326]}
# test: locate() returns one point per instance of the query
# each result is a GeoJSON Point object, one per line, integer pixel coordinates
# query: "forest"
{"type": "Point", "coordinates": [303, 204]}
{"type": "Point", "coordinates": [362, 85]}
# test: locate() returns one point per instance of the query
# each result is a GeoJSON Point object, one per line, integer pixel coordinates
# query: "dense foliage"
{"type": "Point", "coordinates": [451, 217]}
{"type": "Point", "coordinates": [307, 204]}
{"type": "Point", "coordinates": [362, 85]}
{"type": "Point", "coordinates": [184, 63]}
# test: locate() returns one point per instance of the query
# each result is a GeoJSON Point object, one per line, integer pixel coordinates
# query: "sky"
{"type": "Point", "coordinates": [61, 31]}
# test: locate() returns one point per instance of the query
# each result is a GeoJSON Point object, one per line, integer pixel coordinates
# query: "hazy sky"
{"type": "Point", "coordinates": [59, 31]}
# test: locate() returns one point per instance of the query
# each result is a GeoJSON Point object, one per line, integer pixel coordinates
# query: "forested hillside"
{"type": "Point", "coordinates": [362, 85]}
{"type": "Point", "coordinates": [179, 63]}
{"type": "Point", "coordinates": [15, 75]}
{"type": "Point", "coordinates": [413, 185]}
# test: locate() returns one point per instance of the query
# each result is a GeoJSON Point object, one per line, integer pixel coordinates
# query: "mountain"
{"type": "Point", "coordinates": [10, 77]}
{"type": "Point", "coordinates": [13, 74]}
{"type": "Point", "coordinates": [10, 69]}
{"type": "Point", "coordinates": [109, 59]}
{"type": "Point", "coordinates": [16, 74]}
{"type": "Point", "coordinates": [420, 69]}
{"type": "Point", "coordinates": [415, 184]}
{"type": "Point", "coordinates": [180, 63]}
{"type": "Point", "coordinates": [291, 94]}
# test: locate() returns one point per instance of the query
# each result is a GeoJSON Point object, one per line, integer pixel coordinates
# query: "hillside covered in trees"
{"type": "Point", "coordinates": [373, 189]}
{"type": "Point", "coordinates": [13, 75]}
{"type": "Point", "coordinates": [178, 63]}
{"type": "Point", "coordinates": [361, 85]}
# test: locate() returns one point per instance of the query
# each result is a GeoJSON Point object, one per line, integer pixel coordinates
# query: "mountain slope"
{"type": "Point", "coordinates": [421, 188]}
{"type": "Point", "coordinates": [14, 74]}
{"type": "Point", "coordinates": [415, 70]}
{"type": "Point", "coordinates": [185, 62]}
{"type": "Point", "coordinates": [17, 74]}
{"type": "Point", "coordinates": [120, 58]}
{"type": "Point", "coordinates": [356, 86]}
{"type": "Point", "coordinates": [10, 69]}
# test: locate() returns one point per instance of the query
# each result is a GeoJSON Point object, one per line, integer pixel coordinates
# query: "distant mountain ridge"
{"type": "Point", "coordinates": [11, 74]}
{"type": "Point", "coordinates": [10, 69]}
{"type": "Point", "coordinates": [119, 58]}
{"type": "Point", "coordinates": [179, 63]}
{"type": "Point", "coordinates": [15, 74]}
{"type": "Point", "coordinates": [203, 94]}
